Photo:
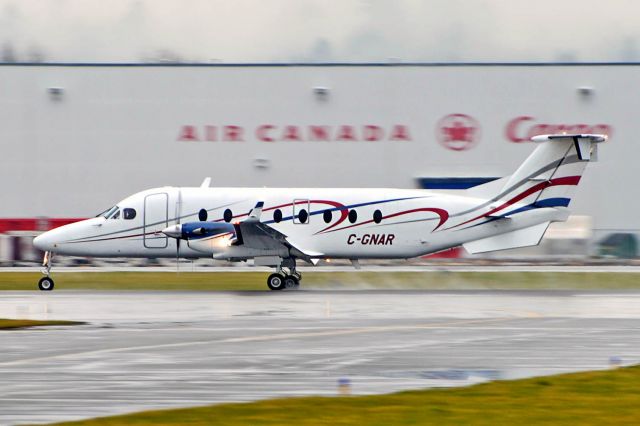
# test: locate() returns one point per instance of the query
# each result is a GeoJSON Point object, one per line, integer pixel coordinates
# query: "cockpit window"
{"type": "Point", "coordinates": [129, 214]}
{"type": "Point", "coordinates": [105, 213]}
{"type": "Point", "coordinates": [108, 213]}
{"type": "Point", "coordinates": [115, 215]}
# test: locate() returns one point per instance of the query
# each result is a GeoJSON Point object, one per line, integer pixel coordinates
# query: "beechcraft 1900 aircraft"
{"type": "Point", "coordinates": [278, 226]}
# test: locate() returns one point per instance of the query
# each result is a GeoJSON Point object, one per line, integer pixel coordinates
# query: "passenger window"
{"type": "Point", "coordinates": [202, 215]}
{"type": "Point", "coordinates": [116, 215]}
{"type": "Point", "coordinates": [277, 215]}
{"type": "Point", "coordinates": [353, 216]}
{"type": "Point", "coordinates": [303, 216]}
{"type": "Point", "coordinates": [327, 216]}
{"type": "Point", "coordinates": [377, 216]}
{"type": "Point", "coordinates": [129, 214]}
{"type": "Point", "coordinates": [228, 215]}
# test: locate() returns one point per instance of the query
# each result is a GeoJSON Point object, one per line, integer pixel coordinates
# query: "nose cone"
{"type": "Point", "coordinates": [44, 241]}
{"type": "Point", "coordinates": [173, 231]}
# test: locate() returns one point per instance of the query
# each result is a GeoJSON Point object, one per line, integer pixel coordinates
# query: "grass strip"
{"type": "Point", "coordinates": [8, 324]}
{"type": "Point", "coordinates": [256, 281]}
{"type": "Point", "coordinates": [610, 397]}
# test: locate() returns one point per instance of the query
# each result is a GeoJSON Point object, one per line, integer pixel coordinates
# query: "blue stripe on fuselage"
{"type": "Point", "coordinates": [549, 202]}
{"type": "Point", "coordinates": [347, 207]}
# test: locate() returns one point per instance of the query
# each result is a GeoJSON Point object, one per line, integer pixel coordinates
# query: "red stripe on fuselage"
{"type": "Point", "coordinates": [567, 180]}
{"type": "Point", "coordinates": [444, 215]}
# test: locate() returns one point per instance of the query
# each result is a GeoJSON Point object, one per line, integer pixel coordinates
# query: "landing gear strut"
{"type": "Point", "coordinates": [46, 283]}
{"type": "Point", "coordinates": [282, 280]}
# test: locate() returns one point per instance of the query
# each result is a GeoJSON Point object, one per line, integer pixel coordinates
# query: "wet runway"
{"type": "Point", "coordinates": [143, 350]}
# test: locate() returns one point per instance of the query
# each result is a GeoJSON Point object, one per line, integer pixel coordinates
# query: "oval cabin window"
{"type": "Point", "coordinates": [277, 216]}
{"type": "Point", "coordinates": [353, 216]}
{"type": "Point", "coordinates": [377, 216]}
{"type": "Point", "coordinates": [227, 216]}
{"type": "Point", "coordinates": [303, 216]}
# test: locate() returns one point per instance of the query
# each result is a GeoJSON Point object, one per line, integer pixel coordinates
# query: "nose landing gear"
{"type": "Point", "coordinates": [46, 283]}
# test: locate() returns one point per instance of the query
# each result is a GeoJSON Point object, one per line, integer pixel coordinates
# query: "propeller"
{"type": "Point", "coordinates": [175, 232]}
{"type": "Point", "coordinates": [178, 213]}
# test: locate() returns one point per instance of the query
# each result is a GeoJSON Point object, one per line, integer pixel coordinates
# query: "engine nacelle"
{"type": "Point", "coordinates": [199, 230]}
{"type": "Point", "coordinates": [205, 237]}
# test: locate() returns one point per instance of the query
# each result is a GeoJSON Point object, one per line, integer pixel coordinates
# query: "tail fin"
{"type": "Point", "coordinates": [548, 177]}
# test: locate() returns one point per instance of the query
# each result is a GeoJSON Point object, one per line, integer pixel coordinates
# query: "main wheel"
{"type": "Point", "coordinates": [291, 282]}
{"type": "Point", "coordinates": [276, 282]}
{"type": "Point", "coordinates": [45, 284]}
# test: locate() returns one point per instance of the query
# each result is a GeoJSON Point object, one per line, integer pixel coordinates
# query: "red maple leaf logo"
{"type": "Point", "coordinates": [458, 132]}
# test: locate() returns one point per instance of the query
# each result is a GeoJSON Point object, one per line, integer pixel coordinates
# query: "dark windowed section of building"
{"type": "Point", "coordinates": [227, 216]}
{"type": "Point", "coordinates": [129, 214]}
{"type": "Point", "coordinates": [202, 215]}
{"type": "Point", "coordinates": [277, 215]}
{"type": "Point", "coordinates": [303, 216]}
{"type": "Point", "coordinates": [353, 216]}
{"type": "Point", "coordinates": [377, 216]}
{"type": "Point", "coordinates": [327, 216]}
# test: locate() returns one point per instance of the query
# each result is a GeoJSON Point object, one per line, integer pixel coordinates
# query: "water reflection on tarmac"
{"type": "Point", "coordinates": [143, 350]}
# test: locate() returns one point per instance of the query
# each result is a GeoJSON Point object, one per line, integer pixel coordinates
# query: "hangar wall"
{"type": "Point", "coordinates": [77, 138]}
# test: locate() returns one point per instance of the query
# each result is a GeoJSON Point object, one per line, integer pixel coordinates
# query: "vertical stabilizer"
{"type": "Point", "coordinates": [549, 176]}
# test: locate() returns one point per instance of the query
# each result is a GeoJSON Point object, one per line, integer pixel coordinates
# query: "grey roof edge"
{"type": "Point", "coordinates": [312, 64]}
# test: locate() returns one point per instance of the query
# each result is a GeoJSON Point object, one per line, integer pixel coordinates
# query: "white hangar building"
{"type": "Point", "coordinates": [76, 138]}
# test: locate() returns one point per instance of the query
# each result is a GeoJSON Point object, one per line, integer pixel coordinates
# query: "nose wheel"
{"type": "Point", "coordinates": [46, 283]}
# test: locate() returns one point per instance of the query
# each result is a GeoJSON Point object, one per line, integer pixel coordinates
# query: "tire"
{"type": "Point", "coordinates": [275, 282]}
{"type": "Point", "coordinates": [291, 282]}
{"type": "Point", "coordinates": [46, 284]}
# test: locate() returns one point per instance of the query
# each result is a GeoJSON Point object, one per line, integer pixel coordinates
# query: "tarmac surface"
{"type": "Point", "coordinates": [146, 350]}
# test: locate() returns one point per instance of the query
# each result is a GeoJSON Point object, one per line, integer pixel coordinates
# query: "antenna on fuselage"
{"type": "Point", "coordinates": [206, 182]}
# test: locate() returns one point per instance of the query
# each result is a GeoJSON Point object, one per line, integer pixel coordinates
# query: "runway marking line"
{"type": "Point", "coordinates": [280, 336]}
{"type": "Point", "coordinates": [359, 330]}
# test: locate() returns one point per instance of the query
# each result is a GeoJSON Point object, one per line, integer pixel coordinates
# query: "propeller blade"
{"type": "Point", "coordinates": [178, 254]}
{"type": "Point", "coordinates": [178, 227]}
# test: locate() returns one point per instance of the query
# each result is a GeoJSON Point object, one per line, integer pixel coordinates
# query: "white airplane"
{"type": "Point", "coordinates": [278, 226]}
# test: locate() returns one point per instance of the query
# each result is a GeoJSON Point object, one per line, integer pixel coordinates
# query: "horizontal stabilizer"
{"type": "Point", "coordinates": [526, 237]}
{"type": "Point", "coordinates": [588, 136]}
{"type": "Point", "coordinates": [585, 144]}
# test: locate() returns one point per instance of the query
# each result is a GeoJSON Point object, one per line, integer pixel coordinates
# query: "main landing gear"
{"type": "Point", "coordinates": [46, 283]}
{"type": "Point", "coordinates": [284, 281]}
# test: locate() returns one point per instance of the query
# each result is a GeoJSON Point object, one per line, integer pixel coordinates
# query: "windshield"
{"type": "Point", "coordinates": [104, 213]}
{"type": "Point", "coordinates": [108, 213]}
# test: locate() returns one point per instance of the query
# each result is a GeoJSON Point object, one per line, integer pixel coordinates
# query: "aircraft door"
{"type": "Point", "coordinates": [156, 216]}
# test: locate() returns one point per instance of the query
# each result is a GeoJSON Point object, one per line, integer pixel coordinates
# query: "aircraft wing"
{"type": "Point", "coordinates": [252, 233]}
